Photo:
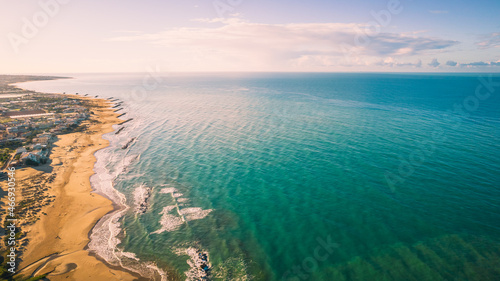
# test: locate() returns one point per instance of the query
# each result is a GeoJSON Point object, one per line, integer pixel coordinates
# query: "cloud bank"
{"type": "Point", "coordinates": [231, 41]}
{"type": "Point", "coordinates": [434, 63]}
{"type": "Point", "coordinates": [451, 63]}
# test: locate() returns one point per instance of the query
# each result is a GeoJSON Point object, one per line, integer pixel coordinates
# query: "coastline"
{"type": "Point", "coordinates": [58, 241]}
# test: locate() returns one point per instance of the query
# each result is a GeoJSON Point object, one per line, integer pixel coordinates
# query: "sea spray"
{"type": "Point", "coordinates": [103, 238]}
{"type": "Point", "coordinates": [199, 262]}
{"type": "Point", "coordinates": [141, 198]}
{"type": "Point", "coordinates": [183, 214]}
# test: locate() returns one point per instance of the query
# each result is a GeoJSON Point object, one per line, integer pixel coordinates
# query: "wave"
{"type": "Point", "coordinates": [141, 198]}
{"type": "Point", "coordinates": [104, 239]}
{"type": "Point", "coordinates": [184, 214]}
{"type": "Point", "coordinates": [199, 263]}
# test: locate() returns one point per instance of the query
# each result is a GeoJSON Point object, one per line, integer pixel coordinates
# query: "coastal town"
{"type": "Point", "coordinates": [42, 136]}
{"type": "Point", "coordinates": [30, 121]}
{"type": "Point", "coordinates": [29, 125]}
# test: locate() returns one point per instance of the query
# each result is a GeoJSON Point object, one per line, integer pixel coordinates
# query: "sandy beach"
{"type": "Point", "coordinates": [55, 243]}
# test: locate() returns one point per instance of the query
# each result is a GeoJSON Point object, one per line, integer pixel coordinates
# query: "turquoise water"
{"type": "Point", "coordinates": [377, 167]}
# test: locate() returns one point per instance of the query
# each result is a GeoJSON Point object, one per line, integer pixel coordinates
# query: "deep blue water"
{"type": "Point", "coordinates": [398, 173]}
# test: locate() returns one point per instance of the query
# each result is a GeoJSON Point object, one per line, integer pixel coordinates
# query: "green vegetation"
{"type": "Point", "coordinates": [12, 145]}
{"type": "Point", "coordinates": [5, 155]}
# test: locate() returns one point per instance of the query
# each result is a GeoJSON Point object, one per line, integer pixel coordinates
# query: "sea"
{"type": "Point", "coordinates": [299, 176]}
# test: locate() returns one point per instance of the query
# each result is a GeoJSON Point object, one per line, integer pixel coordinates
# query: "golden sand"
{"type": "Point", "coordinates": [57, 241]}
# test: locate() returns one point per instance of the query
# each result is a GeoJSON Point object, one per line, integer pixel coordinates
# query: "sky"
{"type": "Point", "coordinates": [76, 36]}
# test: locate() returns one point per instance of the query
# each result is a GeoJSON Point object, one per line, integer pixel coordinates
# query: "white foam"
{"type": "Point", "coordinates": [195, 262]}
{"type": "Point", "coordinates": [141, 197]}
{"type": "Point", "coordinates": [168, 221]}
{"type": "Point", "coordinates": [140, 193]}
{"type": "Point", "coordinates": [191, 214]}
{"type": "Point", "coordinates": [177, 195]}
{"type": "Point", "coordinates": [103, 238]}
{"type": "Point", "coordinates": [168, 190]}
{"type": "Point", "coordinates": [172, 222]}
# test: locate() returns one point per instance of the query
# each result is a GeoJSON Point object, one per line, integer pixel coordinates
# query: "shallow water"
{"type": "Point", "coordinates": [302, 176]}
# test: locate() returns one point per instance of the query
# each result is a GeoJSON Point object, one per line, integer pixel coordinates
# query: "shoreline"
{"type": "Point", "coordinates": [58, 242]}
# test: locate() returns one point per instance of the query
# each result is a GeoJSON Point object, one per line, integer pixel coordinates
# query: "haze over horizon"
{"type": "Point", "coordinates": [56, 36]}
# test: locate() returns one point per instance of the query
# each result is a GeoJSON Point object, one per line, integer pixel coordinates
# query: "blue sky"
{"type": "Point", "coordinates": [59, 36]}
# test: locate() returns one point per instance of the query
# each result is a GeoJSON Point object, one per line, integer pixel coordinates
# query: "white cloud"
{"type": "Point", "coordinates": [490, 41]}
{"type": "Point", "coordinates": [228, 42]}
{"type": "Point", "coordinates": [480, 64]}
{"type": "Point", "coordinates": [391, 62]}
